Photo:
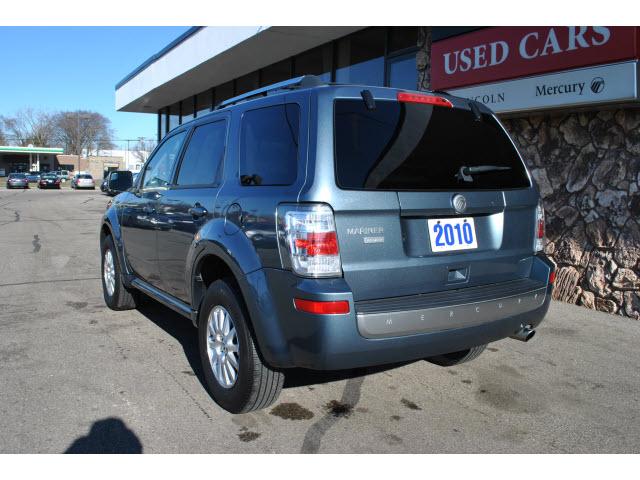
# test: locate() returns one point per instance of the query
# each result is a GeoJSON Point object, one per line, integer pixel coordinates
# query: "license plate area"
{"type": "Point", "coordinates": [452, 234]}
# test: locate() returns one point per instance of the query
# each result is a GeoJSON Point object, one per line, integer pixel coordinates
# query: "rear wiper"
{"type": "Point", "coordinates": [464, 174]}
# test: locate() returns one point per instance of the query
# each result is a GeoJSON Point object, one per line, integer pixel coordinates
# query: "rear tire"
{"type": "Point", "coordinates": [456, 358]}
{"type": "Point", "coordinates": [116, 295]}
{"type": "Point", "coordinates": [225, 340]}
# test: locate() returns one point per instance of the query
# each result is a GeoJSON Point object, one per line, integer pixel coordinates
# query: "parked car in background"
{"type": "Point", "coordinates": [118, 181]}
{"type": "Point", "coordinates": [350, 226]}
{"type": "Point", "coordinates": [17, 180]}
{"type": "Point", "coordinates": [49, 180]}
{"type": "Point", "coordinates": [33, 177]}
{"type": "Point", "coordinates": [83, 180]}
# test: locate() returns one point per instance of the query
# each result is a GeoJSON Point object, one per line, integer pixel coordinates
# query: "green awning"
{"type": "Point", "coordinates": [8, 149]}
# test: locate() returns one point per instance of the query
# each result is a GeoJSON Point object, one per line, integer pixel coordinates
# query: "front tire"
{"type": "Point", "coordinates": [456, 358]}
{"type": "Point", "coordinates": [116, 295]}
{"type": "Point", "coordinates": [236, 377]}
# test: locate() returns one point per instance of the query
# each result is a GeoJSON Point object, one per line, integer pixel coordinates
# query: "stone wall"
{"type": "Point", "coordinates": [587, 166]}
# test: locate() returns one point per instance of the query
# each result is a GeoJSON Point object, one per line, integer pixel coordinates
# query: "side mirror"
{"type": "Point", "coordinates": [120, 182]}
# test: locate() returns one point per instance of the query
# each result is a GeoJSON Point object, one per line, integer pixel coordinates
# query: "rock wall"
{"type": "Point", "coordinates": [587, 166]}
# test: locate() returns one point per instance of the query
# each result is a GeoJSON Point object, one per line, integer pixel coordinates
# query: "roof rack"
{"type": "Point", "coordinates": [305, 81]}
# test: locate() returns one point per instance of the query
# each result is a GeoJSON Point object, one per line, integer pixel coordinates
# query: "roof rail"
{"type": "Point", "coordinates": [305, 81]}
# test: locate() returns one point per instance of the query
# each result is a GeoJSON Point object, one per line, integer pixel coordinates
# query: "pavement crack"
{"type": "Point", "coordinates": [313, 437]}
{"type": "Point", "coordinates": [36, 243]}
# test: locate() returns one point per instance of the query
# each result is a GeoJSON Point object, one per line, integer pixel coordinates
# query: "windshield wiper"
{"type": "Point", "coordinates": [464, 174]}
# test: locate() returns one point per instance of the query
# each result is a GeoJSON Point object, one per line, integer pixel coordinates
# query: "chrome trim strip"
{"type": "Point", "coordinates": [437, 319]}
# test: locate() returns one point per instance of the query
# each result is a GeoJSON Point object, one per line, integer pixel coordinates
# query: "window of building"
{"type": "Point", "coordinates": [247, 83]}
{"type": "Point", "coordinates": [174, 116]}
{"type": "Point", "coordinates": [188, 109]}
{"type": "Point", "coordinates": [204, 102]}
{"type": "Point", "coordinates": [361, 57]}
{"type": "Point", "coordinates": [202, 161]}
{"type": "Point", "coordinates": [160, 168]}
{"type": "Point", "coordinates": [401, 38]}
{"type": "Point", "coordinates": [317, 61]}
{"type": "Point", "coordinates": [269, 145]}
{"type": "Point", "coordinates": [223, 92]}
{"type": "Point", "coordinates": [275, 73]}
{"type": "Point", "coordinates": [403, 72]}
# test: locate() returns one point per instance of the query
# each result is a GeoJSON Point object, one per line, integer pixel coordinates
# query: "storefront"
{"type": "Point", "coordinates": [27, 159]}
{"type": "Point", "coordinates": [568, 95]}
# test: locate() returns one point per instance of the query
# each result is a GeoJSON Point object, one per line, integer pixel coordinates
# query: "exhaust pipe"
{"type": "Point", "coordinates": [525, 333]}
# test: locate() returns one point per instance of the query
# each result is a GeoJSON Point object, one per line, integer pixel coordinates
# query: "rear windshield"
{"type": "Point", "coordinates": [86, 177]}
{"type": "Point", "coordinates": [409, 146]}
{"type": "Point", "coordinates": [18, 175]}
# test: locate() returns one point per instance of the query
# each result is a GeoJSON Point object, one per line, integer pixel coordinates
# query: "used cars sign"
{"type": "Point", "coordinates": [502, 53]}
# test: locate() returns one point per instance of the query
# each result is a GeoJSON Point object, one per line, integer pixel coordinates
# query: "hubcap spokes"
{"type": "Point", "coordinates": [222, 347]}
{"type": "Point", "coordinates": [109, 272]}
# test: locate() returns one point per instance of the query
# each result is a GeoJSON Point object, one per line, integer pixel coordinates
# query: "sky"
{"type": "Point", "coordinates": [70, 68]}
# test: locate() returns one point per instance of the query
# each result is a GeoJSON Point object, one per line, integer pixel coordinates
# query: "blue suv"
{"type": "Point", "coordinates": [329, 227]}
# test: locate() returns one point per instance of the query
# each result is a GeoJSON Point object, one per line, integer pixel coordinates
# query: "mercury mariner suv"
{"type": "Point", "coordinates": [329, 227]}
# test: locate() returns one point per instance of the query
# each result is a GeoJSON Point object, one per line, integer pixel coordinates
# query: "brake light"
{"type": "Point", "coordinates": [426, 99]}
{"type": "Point", "coordinates": [552, 277]}
{"type": "Point", "coordinates": [322, 308]}
{"type": "Point", "coordinates": [539, 240]}
{"type": "Point", "coordinates": [311, 240]}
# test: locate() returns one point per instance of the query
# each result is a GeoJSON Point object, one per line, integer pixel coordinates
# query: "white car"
{"type": "Point", "coordinates": [83, 180]}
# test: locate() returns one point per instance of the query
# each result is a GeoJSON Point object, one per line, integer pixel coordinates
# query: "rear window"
{"type": "Point", "coordinates": [408, 146]}
{"type": "Point", "coordinates": [86, 177]}
{"type": "Point", "coordinates": [18, 175]}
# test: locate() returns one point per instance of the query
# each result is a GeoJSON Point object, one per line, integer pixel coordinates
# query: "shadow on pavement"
{"type": "Point", "coordinates": [181, 329]}
{"type": "Point", "coordinates": [110, 435]}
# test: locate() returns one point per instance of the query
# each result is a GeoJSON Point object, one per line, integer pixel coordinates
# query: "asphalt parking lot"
{"type": "Point", "coordinates": [75, 376]}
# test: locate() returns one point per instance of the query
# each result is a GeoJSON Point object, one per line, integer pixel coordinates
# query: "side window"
{"type": "Point", "coordinates": [159, 169]}
{"type": "Point", "coordinates": [202, 161]}
{"type": "Point", "coordinates": [269, 145]}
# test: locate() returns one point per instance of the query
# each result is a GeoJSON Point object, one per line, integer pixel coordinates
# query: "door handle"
{"type": "Point", "coordinates": [198, 211]}
{"type": "Point", "coordinates": [148, 209]}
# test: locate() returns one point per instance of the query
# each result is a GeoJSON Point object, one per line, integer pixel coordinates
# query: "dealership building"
{"type": "Point", "coordinates": [569, 96]}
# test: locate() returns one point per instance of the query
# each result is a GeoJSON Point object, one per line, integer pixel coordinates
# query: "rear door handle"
{"type": "Point", "coordinates": [198, 211]}
{"type": "Point", "coordinates": [148, 209]}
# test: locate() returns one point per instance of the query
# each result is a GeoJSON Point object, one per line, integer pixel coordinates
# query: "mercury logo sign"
{"type": "Point", "coordinates": [597, 84]}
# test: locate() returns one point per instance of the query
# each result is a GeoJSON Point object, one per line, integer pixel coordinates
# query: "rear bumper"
{"type": "Point", "coordinates": [383, 332]}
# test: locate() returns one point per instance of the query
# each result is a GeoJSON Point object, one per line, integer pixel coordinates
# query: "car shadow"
{"type": "Point", "coordinates": [183, 331]}
{"type": "Point", "coordinates": [109, 435]}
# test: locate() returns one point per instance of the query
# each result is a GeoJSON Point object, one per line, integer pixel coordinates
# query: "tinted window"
{"type": "Point", "coordinates": [408, 146]}
{"type": "Point", "coordinates": [269, 145]}
{"type": "Point", "coordinates": [203, 158]}
{"type": "Point", "coordinates": [159, 169]}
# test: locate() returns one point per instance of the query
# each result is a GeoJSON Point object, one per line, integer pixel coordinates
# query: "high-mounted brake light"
{"type": "Point", "coordinates": [539, 240]}
{"type": "Point", "coordinates": [312, 241]}
{"type": "Point", "coordinates": [322, 308]}
{"type": "Point", "coordinates": [426, 99]}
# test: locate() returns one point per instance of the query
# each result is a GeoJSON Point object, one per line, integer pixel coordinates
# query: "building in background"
{"type": "Point", "coordinates": [28, 159]}
{"type": "Point", "coordinates": [568, 96]}
{"type": "Point", "coordinates": [97, 166]}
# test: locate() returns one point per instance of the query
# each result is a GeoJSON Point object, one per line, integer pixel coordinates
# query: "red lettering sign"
{"type": "Point", "coordinates": [501, 53]}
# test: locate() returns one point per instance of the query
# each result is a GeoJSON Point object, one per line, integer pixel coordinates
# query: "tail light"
{"type": "Point", "coordinates": [552, 277]}
{"type": "Point", "coordinates": [539, 240]}
{"type": "Point", "coordinates": [311, 240]}
{"type": "Point", "coordinates": [426, 99]}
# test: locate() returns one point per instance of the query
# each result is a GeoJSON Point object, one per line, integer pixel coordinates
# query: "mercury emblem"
{"type": "Point", "coordinates": [459, 203]}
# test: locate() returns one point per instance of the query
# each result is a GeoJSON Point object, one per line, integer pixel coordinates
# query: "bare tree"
{"type": "Point", "coordinates": [142, 148]}
{"type": "Point", "coordinates": [30, 126]}
{"type": "Point", "coordinates": [3, 139]}
{"type": "Point", "coordinates": [83, 130]}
